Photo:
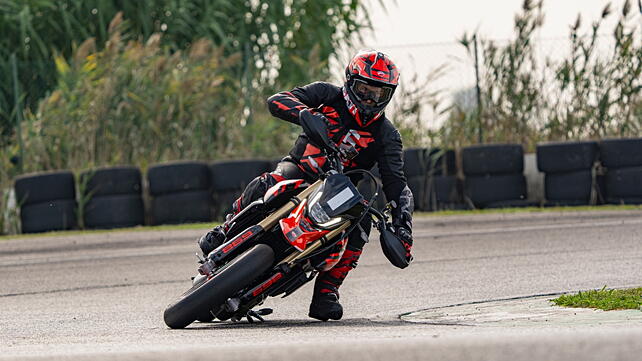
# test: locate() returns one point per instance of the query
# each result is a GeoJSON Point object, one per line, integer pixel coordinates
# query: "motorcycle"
{"type": "Point", "coordinates": [282, 241]}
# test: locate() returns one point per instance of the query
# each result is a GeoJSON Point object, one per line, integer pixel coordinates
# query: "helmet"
{"type": "Point", "coordinates": [371, 79]}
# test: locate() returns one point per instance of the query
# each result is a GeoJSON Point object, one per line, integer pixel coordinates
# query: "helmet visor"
{"type": "Point", "coordinates": [379, 95]}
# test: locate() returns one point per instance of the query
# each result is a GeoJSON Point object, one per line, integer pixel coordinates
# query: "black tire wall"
{"type": "Point", "coordinates": [112, 181]}
{"type": "Point", "coordinates": [47, 201]}
{"type": "Point", "coordinates": [114, 197]}
{"type": "Point", "coordinates": [493, 159]}
{"type": "Point", "coordinates": [124, 210]}
{"type": "Point", "coordinates": [175, 177]}
{"type": "Point", "coordinates": [619, 153]}
{"type": "Point", "coordinates": [180, 192]}
{"type": "Point", "coordinates": [43, 187]}
{"type": "Point", "coordinates": [494, 174]}
{"type": "Point", "coordinates": [566, 157]}
{"type": "Point", "coordinates": [182, 207]}
{"type": "Point", "coordinates": [56, 215]}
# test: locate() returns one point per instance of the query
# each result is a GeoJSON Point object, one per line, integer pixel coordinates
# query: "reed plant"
{"type": "Point", "coordinates": [270, 35]}
{"type": "Point", "coordinates": [588, 94]}
{"type": "Point", "coordinates": [134, 102]}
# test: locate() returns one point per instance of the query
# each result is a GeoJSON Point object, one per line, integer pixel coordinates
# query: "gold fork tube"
{"type": "Point", "coordinates": [269, 221]}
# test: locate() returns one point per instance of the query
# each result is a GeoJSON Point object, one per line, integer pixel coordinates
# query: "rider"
{"type": "Point", "coordinates": [355, 116]}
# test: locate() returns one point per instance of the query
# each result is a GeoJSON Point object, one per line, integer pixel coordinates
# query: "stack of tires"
{"type": "Point", "coordinates": [416, 164]}
{"type": "Point", "coordinates": [180, 192]}
{"type": "Point", "coordinates": [229, 179]}
{"type": "Point", "coordinates": [442, 188]}
{"type": "Point", "coordinates": [113, 198]}
{"type": "Point", "coordinates": [494, 176]}
{"type": "Point", "coordinates": [47, 201]}
{"type": "Point", "coordinates": [622, 159]}
{"type": "Point", "coordinates": [569, 169]}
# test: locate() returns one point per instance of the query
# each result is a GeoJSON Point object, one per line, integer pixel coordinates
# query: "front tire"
{"type": "Point", "coordinates": [214, 292]}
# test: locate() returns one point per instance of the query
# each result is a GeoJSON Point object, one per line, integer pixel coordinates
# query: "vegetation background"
{"type": "Point", "coordinates": [101, 82]}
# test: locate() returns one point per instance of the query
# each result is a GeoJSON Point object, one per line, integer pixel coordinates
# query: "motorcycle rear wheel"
{"type": "Point", "coordinates": [214, 292]}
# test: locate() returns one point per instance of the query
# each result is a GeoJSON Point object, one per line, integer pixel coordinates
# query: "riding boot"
{"type": "Point", "coordinates": [325, 300]}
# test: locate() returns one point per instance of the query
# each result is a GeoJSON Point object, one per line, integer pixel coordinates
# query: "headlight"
{"type": "Point", "coordinates": [332, 222]}
{"type": "Point", "coordinates": [317, 213]}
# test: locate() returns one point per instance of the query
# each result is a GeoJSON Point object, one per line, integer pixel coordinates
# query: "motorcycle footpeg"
{"type": "Point", "coordinates": [264, 311]}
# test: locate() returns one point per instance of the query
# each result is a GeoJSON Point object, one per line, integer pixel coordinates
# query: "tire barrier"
{"type": "Point", "coordinates": [178, 177]}
{"type": "Point", "coordinates": [622, 159]}
{"type": "Point", "coordinates": [421, 166]}
{"type": "Point", "coordinates": [112, 181]}
{"type": "Point", "coordinates": [117, 211]}
{"type": "Point", "coordinates": [180, 192]}
{"type": "Point", "coordinates": [493, 159]}
{"type": "Point", "coordinates": [572, 186]}
{"type": "Point", "coordinates": [185, 191]}
{"type": "Point", "coordinates": [55, 215]}
{"type": "Point", "coordinates": [493, 190]}
{"type": "Point", "coordinates": [229, 179]}
{"type": "Point", "coordinates": [624, 185]}
{"type": "Point", "coordinates": [113, 197]}
{"type": "Point", "coordinates": [182, 207]}
{"type": "Point", "coordinates": [43, 187]}
{"type": "Point", "coordinates": [620, 153]}
{"type": "Point", "coordinates": [47, 201]}
{"type": "Point", "coordinates": [570, 174]}
{"type": "Point", "coordinates": [494, 175]}
{"type": "Point", "coordinates": [444, 192]}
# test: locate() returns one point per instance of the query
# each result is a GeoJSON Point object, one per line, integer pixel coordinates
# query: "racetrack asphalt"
{"type": "Point", "coordinates": [100, 296]}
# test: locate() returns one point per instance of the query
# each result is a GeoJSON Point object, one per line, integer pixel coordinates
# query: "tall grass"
{"type": "Point", "coordinates": [270, 35]}
{"type": "Point", "coordinates": [588, 94]}
{"type": "Point", "coordinates": [137, 103]}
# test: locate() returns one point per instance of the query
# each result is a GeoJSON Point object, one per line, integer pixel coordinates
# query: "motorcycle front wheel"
{"type": "Point", "coordinates": [211, 294]}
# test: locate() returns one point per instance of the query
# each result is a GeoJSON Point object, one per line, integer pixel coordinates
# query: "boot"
{"type": "Point", "coordinates": [325, 300]}
{"type": "Point", "coordinates": [212, 239]}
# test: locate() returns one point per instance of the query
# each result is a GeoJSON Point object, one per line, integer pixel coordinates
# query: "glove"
{"type": "Point", "coordinates": [405, 235]}
{"type": "Point", "coordinates": [315, 127]}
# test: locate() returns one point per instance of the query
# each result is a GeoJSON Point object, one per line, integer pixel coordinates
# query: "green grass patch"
{"type": "Point", "coordinates": [532, 210]}
{"type": "Point", "coordinates": [168, 227]}
{"type": "Point", "coordinates": [603, 299]}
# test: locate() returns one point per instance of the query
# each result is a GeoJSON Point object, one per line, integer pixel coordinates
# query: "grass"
{"type": "Point", "coordinates": [603, 299]}
{"type": "Point", "coordinates": [532, 210]}
{"type": "Point", "coordinates": [168, 227]}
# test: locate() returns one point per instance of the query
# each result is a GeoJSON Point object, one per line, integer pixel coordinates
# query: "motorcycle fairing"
{"type": "Point", "coordinates": [282, 187]}
{"type": "Point", "coordinates": [297, 228]}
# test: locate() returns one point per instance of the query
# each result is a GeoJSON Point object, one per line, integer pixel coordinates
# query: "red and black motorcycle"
{"type": "Point", "coordinates": [279, 243]}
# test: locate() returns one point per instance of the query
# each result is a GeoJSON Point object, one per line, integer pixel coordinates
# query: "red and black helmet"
{"type": "Point", "coordinates": [371, 79]}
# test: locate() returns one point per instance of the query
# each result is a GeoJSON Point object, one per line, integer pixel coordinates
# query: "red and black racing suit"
{"type": "Point", "coordinates": [378, 143]}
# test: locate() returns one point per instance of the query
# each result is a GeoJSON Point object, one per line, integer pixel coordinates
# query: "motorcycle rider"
{"type": "Point", "coordinates": [355, 115]}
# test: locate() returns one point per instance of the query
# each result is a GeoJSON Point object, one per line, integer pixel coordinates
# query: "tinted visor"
{"type": "Point", "coordinates": [364, 91]}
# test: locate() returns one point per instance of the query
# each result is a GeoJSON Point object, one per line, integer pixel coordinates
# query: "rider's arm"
{"type": "Point", "coordinates": [287, 105]}
{"type": "Point", "coordinates": [390, 161]}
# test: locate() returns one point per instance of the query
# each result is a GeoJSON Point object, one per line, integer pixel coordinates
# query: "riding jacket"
{"type": "Point", "coordinates": [378, 143]}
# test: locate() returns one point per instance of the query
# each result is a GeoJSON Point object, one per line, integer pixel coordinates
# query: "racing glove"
{"type": "Point", "coordinates": [405, 235]}
{"type": "Point", "coordinates": [402, 220]}
{"type": "Point", "coordinates": [315, 127]}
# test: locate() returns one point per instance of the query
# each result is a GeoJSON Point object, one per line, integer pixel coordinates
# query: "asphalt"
{"type": "Point", "coordinates": [101, 296]}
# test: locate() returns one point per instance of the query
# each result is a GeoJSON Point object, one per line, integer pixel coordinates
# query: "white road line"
{"type": "Point", "coordinates": [429, 233]}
